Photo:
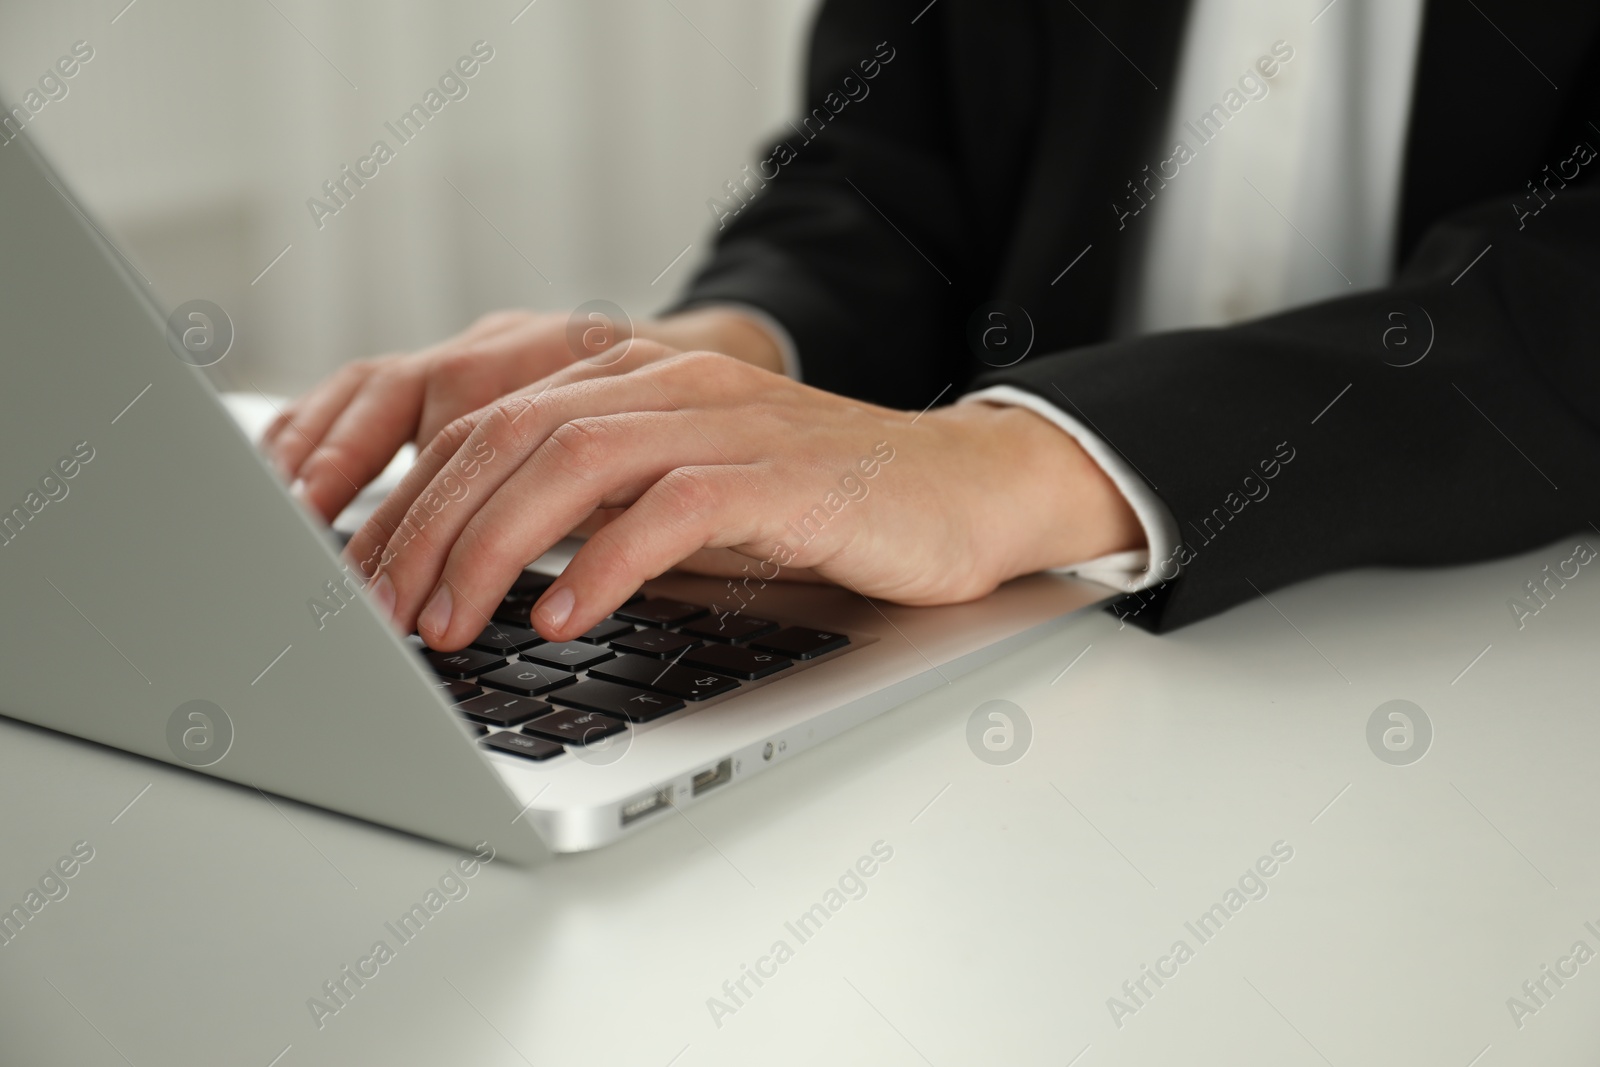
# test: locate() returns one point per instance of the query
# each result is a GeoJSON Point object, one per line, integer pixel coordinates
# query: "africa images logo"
{"type": "Point", "coordinates": [199, 733]}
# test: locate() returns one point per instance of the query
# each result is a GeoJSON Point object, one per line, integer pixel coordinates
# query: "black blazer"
{"type": "Point", "coordinates": [996, 145]}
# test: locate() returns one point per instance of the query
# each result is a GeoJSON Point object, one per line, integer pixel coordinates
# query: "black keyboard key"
{"type": "Point", "coordinates": [474, 729]}
{"type": "Point", "coordinates": [530, 585]}
{"type": "Point", "coordinates": [797, 642]}
{"type": "Point", "coordinates": [744, 663]}
{"type": "Point", "coordinates": [605, 630]}
{"type": "Point", "coordinates": [527, 679]}
{"type": "Point", "coordinates": [730, 627]}
{"type": "Point", "coordinates": [522, 745]}
{"type": "Point", "coordinates": [463, 664]}
{"type": "Point", "coordinates": [506, 638]}
{"type": "Point", "coordinates": [516, 606]}
{"type": "Point", "coordinates": [502, 709]}
{"type": "Point", "coordinates": [662, 643]}
{"type": "Point", "coordinates": [658, 611]}
{"type": "Point", "coordinates": [567, 655]}
{"type": "Point", "coordinates": [514, 612]}
{"type": "Point", "coordinates": [667, 678]}
{"type": "Point", "coordinates": [455, 692]}
{"type": "Point", "coordinates": [620, 700]}
{"type": "Point", "coordinates": [575, 727]}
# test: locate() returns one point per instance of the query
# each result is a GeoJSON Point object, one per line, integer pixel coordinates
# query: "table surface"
{"type": "Point", "coordinates": [1016, 900]}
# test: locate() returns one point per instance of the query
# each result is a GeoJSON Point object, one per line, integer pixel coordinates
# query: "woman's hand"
{"type": "Point", "coordinates": [338, 437]}
{"type": "Point", "coordinates": [701, 452]}
{"type": "Point", "coordinates": [341, 435]}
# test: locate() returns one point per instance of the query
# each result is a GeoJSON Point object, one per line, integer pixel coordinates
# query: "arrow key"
{"type": "Point", "coordinates": [745, 663]}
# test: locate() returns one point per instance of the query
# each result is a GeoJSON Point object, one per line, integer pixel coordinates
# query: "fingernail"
{"type": "Point", "coordinates": [383, 596]}
{"type": "Point", "coordinates": [555, 609]}
{"type": "Point", "coordinates": [435, 618]}
{"type": "Point", "coordinates": [297, 489]}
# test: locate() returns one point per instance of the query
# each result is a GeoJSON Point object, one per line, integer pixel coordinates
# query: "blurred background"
{"type": "Point", "coordinates": [577, 165]}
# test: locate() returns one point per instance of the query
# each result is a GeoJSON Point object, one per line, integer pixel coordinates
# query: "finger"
{"type": "Point", "coordinates": [586, 463]}
{"type": "Point", "coordinates": [473, 456]}
{"type": "Point", "coordinates": [364, 437]}
{"type": "Point", "coordinates": [486, 367]}
{"type": "Point", "coordinates": [484, 328]}
{"type": "Point", "coordinates": [316, 407]}
{"type": "Point", "coordinates": [621, 358]}
{"type": "Point", "coordinates": [301, 427]}
{"type": "Point", "coordinates": [309, 416]}
{"type": "Point", "coordinates": [596, 519]}
{"type": "Point", "coordinates": [533, 413]}
{"type": "Point", "coordinates": [283, 418]}
{"type": "Point", "coordinates": [690, 509]}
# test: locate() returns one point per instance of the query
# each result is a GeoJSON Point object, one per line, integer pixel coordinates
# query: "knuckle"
{"type": "Point", "coordinates": [450, 440]}
{"type": "Point", "coordinates": [583, 446]}
{"type": "Point", "coordinates": [461, 362]}
{"type": "Point", "coordinates": [643, 352]}
{"type": "Point", "coordinates": [711, 372]}
{"type": "Point", "coordinates": [457, 361]}
{"type": "Point", "coordinates": [457, 430]}
{"type": "Point", "coordinates": [387, 372]}
{"type": "Point", "coordinates": [688, 492]}
{"type": "Point", "coordinates": [382, 528]}
{"type": "Point", "coordinates": [483, 546]}
{"type": "Point", "coordinates": [708, 363]}
{"type": "Point", "coordinates": [651, 349]}
{"type": "Point", "coordinates": [414, 539]}
{"type": "Point", "coordinates": [501, 426]}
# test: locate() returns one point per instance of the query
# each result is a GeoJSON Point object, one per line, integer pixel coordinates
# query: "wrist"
{"type": "Point", "coordinates": [717, 329]}
{"type": "Point", "coordinates": [1044, 501]}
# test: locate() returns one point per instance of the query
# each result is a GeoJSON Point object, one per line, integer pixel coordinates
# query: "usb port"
{"type": "Point", "coordinates": [638, 808]}
{"type": "Point", "coordinates": [712, 777]}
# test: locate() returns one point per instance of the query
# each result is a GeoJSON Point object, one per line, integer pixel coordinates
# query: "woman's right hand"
{"type": "Point", "coordinates": [339, 436]}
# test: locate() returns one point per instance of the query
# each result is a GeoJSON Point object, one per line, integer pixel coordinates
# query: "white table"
{"type": "Point", "coordinates": [1018, 899]}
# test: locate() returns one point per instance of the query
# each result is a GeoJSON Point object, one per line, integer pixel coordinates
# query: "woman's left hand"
{"type": "Point", "coordinates": [702, 460]}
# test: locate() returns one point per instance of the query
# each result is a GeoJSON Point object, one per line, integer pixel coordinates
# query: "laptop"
{"type": "Point", "coordinates": [163, 594]}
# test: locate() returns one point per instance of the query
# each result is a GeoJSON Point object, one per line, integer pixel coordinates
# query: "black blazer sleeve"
{"type": "Point", "coordinates": [1489, 444]}
{"type": "Point", "coordinates": [840, 245]}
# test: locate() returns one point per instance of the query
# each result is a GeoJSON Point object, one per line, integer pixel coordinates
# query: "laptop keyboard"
{"type": "Point", "coordinates": [655, 657]}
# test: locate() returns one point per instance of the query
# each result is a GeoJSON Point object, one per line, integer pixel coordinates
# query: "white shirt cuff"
{"type": "Point", "coordinates": [778, 332]}
{"type": "Point", "coordinates": [1126, 571]}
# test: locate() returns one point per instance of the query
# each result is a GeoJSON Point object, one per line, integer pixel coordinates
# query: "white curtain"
{"type": "Point", "coordinates": [577, 165]}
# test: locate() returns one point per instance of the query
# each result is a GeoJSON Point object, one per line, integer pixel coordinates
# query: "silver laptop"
{"type": "Point", "coordinates": [163, 594]}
